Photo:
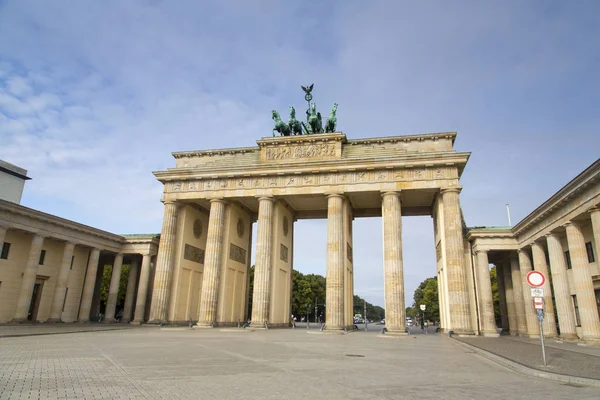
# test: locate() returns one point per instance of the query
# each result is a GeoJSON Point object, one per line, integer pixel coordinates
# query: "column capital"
{"type": "Point", "coordinates": [266, 198]}
{"type": "Point", "coordinates": [453, 189]}
{"type": "Point", "coordinates": [522, 250]}
{"type": "Point", "coordinates": [333, 195]}
{"type": "Point", "coordinates": [595, 209]}
{"type": "Point", "coordinates": [481, 251]}
{"type": "Point", "coordinates": [395, 193]}
{"type": "Point", "coordinates": [169, 201]}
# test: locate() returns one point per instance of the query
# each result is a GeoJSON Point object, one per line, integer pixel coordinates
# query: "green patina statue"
{"type": "Point", "coordinates": [314, 121]}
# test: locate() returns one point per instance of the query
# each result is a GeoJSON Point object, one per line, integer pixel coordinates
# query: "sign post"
{"type": "Point", "coordinates": [536, 280]}
{"type": "Point", "coordinates": [423, 309]}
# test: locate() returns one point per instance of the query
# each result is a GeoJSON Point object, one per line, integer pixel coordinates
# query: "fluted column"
{"type": "Point", "coordinates": [595, 216]}
{"type": "Point", "coordinates": [61, 284]}
{"type": "Point", "coordinates": [89, 285]}
{"type": "Point", "coordinates": [510, 297]}
{"type": "Point", "coordinates": [539, 264]}
{"type": "Point", "coordinates": [142, 294]}
{"type": "Point", "coordinates": [212, 264]}
{"type": "Point", "coordinates": [533, 328]}
{"type": "Point", "coordinates": [517, 286]}
{"type": "Point", "coordinates": [484, 292]}
{"type": "Point", "coordinates": [334, 311]}
{"type": "Point", "coordinates": [164, 265]}
{"type": "Point", "coordinates": [393, 268]}
{"type": "Point", "coordinates": [504, 323]}
{"type": "Point", "coordinates": [113, 290]}
{"type": "Point", "coordinates": [130, 292]}
{"type": "Point", "coordinates": [261, 296]}
{"type": "Point", "coordinates": [28, 280]}
{"type": "Point", "coordinates": [560, 284]}
{"type": "Point", "coordinates": [458, 297]}
{"type": "Point", "coordinates": [582, 280]}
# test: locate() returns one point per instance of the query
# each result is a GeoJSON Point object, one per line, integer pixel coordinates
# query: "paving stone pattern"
{"type": "Point", "coordinates": [181, 363]}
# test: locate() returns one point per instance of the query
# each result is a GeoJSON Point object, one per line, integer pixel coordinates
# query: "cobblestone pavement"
{"type": "Point", "coordinates": [562, 358]}
{"type": "Point", "coordinates": [183, 363]}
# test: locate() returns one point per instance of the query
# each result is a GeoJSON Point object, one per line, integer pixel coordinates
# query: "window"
{"type": "Point", "coordinates": [576, 310]}
{"type": "Point", "coordinates": [590, 252]}
{"type": "Point", "coordinates": [5, 250]}
{"type": "Point", "coordinates": [42, 257]}
{"type": "Point", "coordinates": [72, 260]}
{"type": "Point", "coordinates": [568, 258]}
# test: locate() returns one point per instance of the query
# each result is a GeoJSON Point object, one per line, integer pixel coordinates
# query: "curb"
{"type": "Point", "coordinates": [518, 367]}
{"type": "Point", "coordinates": [11, 335]}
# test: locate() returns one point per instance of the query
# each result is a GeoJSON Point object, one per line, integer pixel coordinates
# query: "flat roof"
{"type": "Point", "coordinates": [13, 170]}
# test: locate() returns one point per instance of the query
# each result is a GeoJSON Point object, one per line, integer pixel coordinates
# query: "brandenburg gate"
{"type": "Point", "coordinates": [212, 198]}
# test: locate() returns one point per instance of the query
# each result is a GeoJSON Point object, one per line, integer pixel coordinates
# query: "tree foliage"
{"type": "Point", "coordinates": [105, 285]}
{"type": "Point", "coordinates": [427, 293]}
{"type": "Point", "coordinates": [495, 295]}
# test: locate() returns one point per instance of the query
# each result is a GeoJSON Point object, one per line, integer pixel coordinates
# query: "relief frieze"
{"type": "Point", "coordinates": [318, 150]}
{"type": "Point", "coordinates": [315, 179]}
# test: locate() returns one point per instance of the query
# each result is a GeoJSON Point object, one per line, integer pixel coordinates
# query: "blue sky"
{"type": "Point", "coordinates": [95, 95]}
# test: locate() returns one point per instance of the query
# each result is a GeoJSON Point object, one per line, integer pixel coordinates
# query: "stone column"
{"type": "Point", "coordinates": [504, 322]}
{"type": "Point", "coordinates": [334, 298]}
{"type": "Point", "coordinates": [517, 286]}
{"type": "Point", "coordinates": [61, 284]}
{"type": "Point", "coordinates": [88, 287]}
{"type": "Point", "coordinates": [458, 297]}
{"type": "Point", "coordinates": [212, 264]}
{"type": "Point", "coordinates": [595, 216]}
{"type": "Point", "coordinates": [113, 290]}
{"type": "Point", "coordinates": [393, 269]}
{"type": "Point", "coordinates": [533, 328]}
{"type": "Point", "coordinates": [484, 291]}
{"type": "Point", "coordinates": [584, 287]}
{"type": "Point", "coordinates": [539, 264]}
{"type": "Point", "coordinates": [130, 293]}
{"type": "Point", "coordinates": [261, 297]}
{"type": "Point", "coordinates": [28, 280]}
{"type": "Point", "coordinates": [164, 265]}
{"type": "Point", "coordinates": [140, 304]}
{"type": "Point", "coordinates": [560, 283]}
{"type": "Point", "coordinates": [510, 298]}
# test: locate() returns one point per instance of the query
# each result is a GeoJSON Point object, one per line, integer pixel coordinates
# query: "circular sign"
{"type": "Point", "coordinates": [535, 279]}
{"type": "Point", "coordinates": [240, 227]}
{"type": "Point", "coordinates": [197, 229]}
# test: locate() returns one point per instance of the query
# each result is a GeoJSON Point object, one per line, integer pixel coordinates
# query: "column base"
{"type": "Point", "coordinates": [134, 322]}
{"type": "Point", "coordinates": [533, 336]}
{"type": "Point", "coordinates": [396, 333]}
{"type": "Point", "coordinates": [460, 332]}
{"type": "Point", "coordinates": [21, 321]}
{"type": "Point", "coordinates": [157, 322]}
{"type": "Point", "coordinates": [569, 336]}
{"type": "Point", "coordinates": [591, 340]}
{"type": "Point", "coordinates": [54, 321]}
{"type": "Point", "coordinates": [490, 334]}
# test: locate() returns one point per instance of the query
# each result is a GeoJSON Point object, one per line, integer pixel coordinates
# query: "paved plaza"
{"type": "Point", "coordinates": [183, 363]}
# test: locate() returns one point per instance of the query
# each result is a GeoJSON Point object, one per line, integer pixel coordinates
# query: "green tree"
{"type": "Point", "coordinates": [105, 286]}
{"type": "Point", "coordinates": [427, 293]}
{"type": "Point", "coordinates": [495, 295]}
{"type": "Point", "coordinates": [250, 291]}
{"type": "Point", "coordinates": [374, 312]}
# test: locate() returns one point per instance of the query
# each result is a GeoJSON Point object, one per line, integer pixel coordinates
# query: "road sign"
{"type": "Point", "coordinates": [538, 303]}
{"type": "Point", "coordinates": [535, 279]}
{"type": "Point", "coordinates": [537, 292]}
{"type": "Point", "coordinates": [422, 307]}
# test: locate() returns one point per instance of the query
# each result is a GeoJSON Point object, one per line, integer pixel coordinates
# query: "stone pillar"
{"type": "Point", "coordinates": [504, 322]}
{"type": "Point", "coordinates": [140, 304]}
{"type": "Point", "coordinates": [395, 311]}
{"type": "Point", "coordinates": [334, 311]}
{"type": "Point", "coordinates": [130, 293]}
{"type": "Point", "coordinates": [595, 216]}
{"type": "Point", "coordinates": [164, 264]}
{"type": "Point", "coordinates": [88, 287]}
{"type": "Point", "coordinates": [113, 290]}
{"type": "Point", "coordinates": [212, 264]}
{"type": "Point", "coordinates": [584, 287]}
{"type": "Point", "coordinates": [533, 328]}
{"type": "Point", "coordinates": [261, 297]}
{"type": "Point", "coordinates": [2, 236]}
{"type": "Point", "coordinates": [28, 280]}
{"type": "Point", "coordinates": [517, 286]}
{"type": "Point", "coordinates": [61, 284]}
{"type": "Point", "coordinates": [560, 283]}
{"type": "Point", "coordinates": [540, 265]}
{"type": "Point", "coordinates": [458, 297]}
{"type": "Point", "coordinates": [510, 298]}
{"type": "Point", "coordinates": [484, 291]}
